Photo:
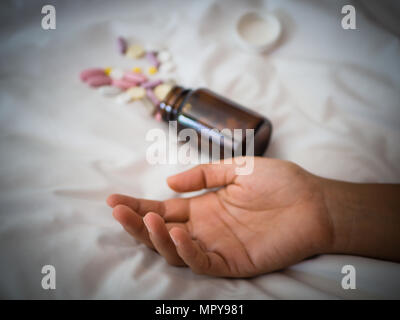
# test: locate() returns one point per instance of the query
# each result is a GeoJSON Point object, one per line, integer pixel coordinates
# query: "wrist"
{"type": "Point", "coordinates": [328, 231]}
{"type": "Point", "coordinates": [333, 200]}
{"type": "Point", "coordinates": [341, 214]}
{"type": "Point", "coordinates": [364, 218]}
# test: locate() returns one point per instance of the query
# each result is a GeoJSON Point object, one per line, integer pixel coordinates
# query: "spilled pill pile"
{"type": "Point", "coordinates": [134, 84]}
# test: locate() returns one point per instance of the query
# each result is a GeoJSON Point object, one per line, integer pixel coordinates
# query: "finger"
{"type": "Point", "coordinates": [161, 239]}
{"type": "Point", "coordinates": [141, 206]}
{"type": "Point", "coordinates": [203, 176]}
{"type": "Point", "coordinates": [176, 210]}
{"type": "Point", "coordinates": [171, 225]}
{"type": "Point", "coordinates": [171, 210]}
{"type": "Point", "coordinates": [132, 223]}
{"type": "Point", "coordinates": [200, 261]}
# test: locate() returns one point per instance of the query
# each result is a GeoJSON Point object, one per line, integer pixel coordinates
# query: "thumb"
{"type": "Point", "coordinates": [203, 176]}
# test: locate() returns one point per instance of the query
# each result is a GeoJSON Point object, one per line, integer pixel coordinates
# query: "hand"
{"type": "Point", "coordinates": [253, 224]}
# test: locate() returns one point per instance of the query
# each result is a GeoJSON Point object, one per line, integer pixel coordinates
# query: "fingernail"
{"type": "Point", "coordinates": [147, 226]}
{"type": "Point", "coordinates": [176, 243]}
{"type": "Point", "coordinates": [170, 178]}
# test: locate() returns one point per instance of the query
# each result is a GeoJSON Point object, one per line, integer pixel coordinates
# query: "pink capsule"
{"type": "Point", "coordinates": [121, 45]}
{"type": "Point", "coordinates": [151, 83]}
{"type": "Point", "coordinates": [98, 81]}
{"type": "Point", "coordinates": [151, 57]}
{"type": "Point", "coordinates": [150, 94]}
{"type": "Point", "coordinates": [136, 77]}
{"type": "Point", "coordinates": [88, 73]}
{"type": "Point", "coordinates": [123, 83]}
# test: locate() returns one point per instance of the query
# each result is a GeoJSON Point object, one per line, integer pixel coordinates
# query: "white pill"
{"type": "Point", "coordinates": [123, 98]}
{"type": "Point", "coordinates": [136, 93]}
{"type": "Point", "coordinates": [109, 90]}
{"type": "Point", "coordinates": [117, 73]}
{"type": "Point", "coordinates": [162, 90]}
{"type": "Point", "coordinates": [164, 56]}
{"type": "Point", "coordinates": [167, 67]}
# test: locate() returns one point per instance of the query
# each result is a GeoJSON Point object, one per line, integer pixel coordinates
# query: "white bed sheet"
{"type": "Point", "coordinates": [332, 96]}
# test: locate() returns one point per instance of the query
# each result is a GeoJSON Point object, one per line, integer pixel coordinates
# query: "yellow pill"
{"type": "Point", "coordinates": [152, 70]}
{"type": "Point", "coordinates": [135, 51]}
{"type": "Point", "coordinates": [107, 71]}
{"type": "Point", "coordinates": [137, 69]}
{"type": "Point", "coordinates": [162, 90]}
{"type": "Point", "coordinates": [136, 93]}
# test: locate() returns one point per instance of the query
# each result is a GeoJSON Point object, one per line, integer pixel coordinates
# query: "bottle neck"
{"type": "Point", "coordinates": [170, 106]}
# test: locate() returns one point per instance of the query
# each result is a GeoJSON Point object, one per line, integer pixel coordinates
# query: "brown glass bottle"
{"type": "Point", "coordinates": [203, 109]}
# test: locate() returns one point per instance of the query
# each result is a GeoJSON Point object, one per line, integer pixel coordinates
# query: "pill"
{"type": "Point", "coordinates": [137, 77]}
{"type": "Point", "coordinates": [136, 93]}
{"type": "Point", "coordinates": [86, 74]}
{"type": "Point", "coordinates": [137, 70]}
{"type": "Point", "coordinates": [162, 90]}
{"type": "Point", "coordinates": [107, 71]}
{"type": "Point", "coordinates": [121, 45]}
{"type": "Point", "coordinates": [151, 83]}
{"type": "Point", "coordinates": [152, 97]}
{"type": "Point", "coordinates": [97, 81]}
{"type": "Point", "coordinates": [123, 98]}
{"type": "Point", "coordinates": [157, 116]}
{"type": "Point", "coordinates": [167, 66]}
{"type": "Point", "coordinates": [152, 70]}
{"type": "Point", "coordinates": [117, 73]}
{"type": "Point", "coordinates": [109, 90]}
{"type": "Point", "coordinates": [164, 56]}
{"type": "Point", "coordinates": [135, 51]}
{"type": "Point", "coordinates": [152, 59]}
{"type": "Point", "coordinates": [123, 83]}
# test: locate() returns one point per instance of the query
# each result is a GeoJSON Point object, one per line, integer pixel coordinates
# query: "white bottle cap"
{"type": "Point", "coordinates": [257, 31]}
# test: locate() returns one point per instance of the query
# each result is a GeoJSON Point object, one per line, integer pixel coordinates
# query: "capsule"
{"type": "Point", "coordinates": [123, 83]}
{"type": "Point", "coordinates": [152, 59]}
{"type": "Point", "coordinates": [135, 77]}
{"type": "Point", "coordinates": [121, 45]}
{"type": "Point", "coordinates": [88, 73]}
{"type": "Point", "coordinates": [150, 94]}
{"type": "Point", "coordinates": [97, 81]}
{"type": "Point", "coordinates": [151, 83]}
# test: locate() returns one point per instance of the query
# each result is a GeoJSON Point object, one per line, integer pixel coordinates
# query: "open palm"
{"type": "Point", "coordinates": [252, 224]}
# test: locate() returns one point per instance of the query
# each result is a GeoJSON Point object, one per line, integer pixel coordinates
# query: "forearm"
{"type": "Point", "coordinates": [365, 218]}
